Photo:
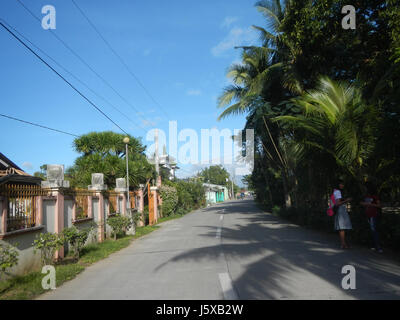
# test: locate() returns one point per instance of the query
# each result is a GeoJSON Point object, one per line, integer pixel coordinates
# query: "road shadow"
{"type": "Point", "coordinates": [276, 259]}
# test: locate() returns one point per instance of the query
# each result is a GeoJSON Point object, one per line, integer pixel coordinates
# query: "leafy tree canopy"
{"type": "Point", "coordinates": [104, 152]}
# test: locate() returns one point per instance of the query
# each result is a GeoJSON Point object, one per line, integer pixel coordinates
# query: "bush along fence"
{"type": "Point", "coordinates": [34, 218]}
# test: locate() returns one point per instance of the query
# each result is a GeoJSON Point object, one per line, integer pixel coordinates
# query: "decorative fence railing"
{"type": "Point", "coordinates": [82, 200]}
{"type": "Point", "coordinates": [134, 200]}
{"type": "Point", "coordinates": [115, 202]}
{"type": "Point", "coordinates": [21, 205]}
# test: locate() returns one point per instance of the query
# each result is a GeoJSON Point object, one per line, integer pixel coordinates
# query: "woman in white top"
{"type": "Point", "coordinates": [342, 219]}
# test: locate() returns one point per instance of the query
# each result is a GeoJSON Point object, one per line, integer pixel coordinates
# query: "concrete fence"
{"type": "Point", "coordinates": [27, 211]}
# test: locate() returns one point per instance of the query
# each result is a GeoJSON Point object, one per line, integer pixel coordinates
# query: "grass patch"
{"type": "Point", "coordinates": [29, 286]}
{"type": "Point", "coordinates": [98, 251]}
{"type": "Point", "coordinates": [141, 231]}
{"type": "Point", "coordinates": [171, 217]}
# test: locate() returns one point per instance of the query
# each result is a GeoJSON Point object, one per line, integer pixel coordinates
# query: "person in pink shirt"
{"type": "Point", "coordinates": [372, 204]}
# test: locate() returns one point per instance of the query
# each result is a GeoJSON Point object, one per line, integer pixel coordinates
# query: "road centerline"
{"type": "Point", "coordinates": [227, 287]}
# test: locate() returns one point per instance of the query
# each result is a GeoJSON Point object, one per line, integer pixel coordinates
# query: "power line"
{"type": "Point", "coordinates": [56, 72]}
{"type": "Point", "coordinates": [120, 59]}
{"type": "Point", "coordinates": [38, 125]}
{"type": "Point", "coordinates": [84, 62]}
{"type": "Point", "coordinates": [72, 75]}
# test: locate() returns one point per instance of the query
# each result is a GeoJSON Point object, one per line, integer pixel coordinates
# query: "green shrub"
{"type": "Point", "coordinates": [169, 198]}
{"type": "Point", "coordinates": [48, 243]}
{"type": "Point", "coordinates": [8, 258]}
{"type": "Point", "coordinates": [76, 238]}
{"type": "Point", "coordinates": [119, 224]}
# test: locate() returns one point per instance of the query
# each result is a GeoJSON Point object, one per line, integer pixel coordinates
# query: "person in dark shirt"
{"type": "Point", "coordinates": [372, 204]}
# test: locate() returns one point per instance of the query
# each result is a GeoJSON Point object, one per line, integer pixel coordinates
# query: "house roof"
{"type": "Point", "coordinates": [6, 163]}
{"type": "Point", "coordinates": [214, 187]}
{"type": "Point", "coordinates": [11, 173]}
{"type": "Point", "coordinates": [20, 179]}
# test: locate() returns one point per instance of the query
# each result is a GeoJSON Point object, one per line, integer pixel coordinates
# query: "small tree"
{"type": "Point", "coordinates": [48, 244]}
{"type": "Point", "coordinates": [76, 238]}
{"type": "Point", "coordinates": [8, 258]}
{"type": "Point", "coordinates": [119, 224]}
{"type": "Point", "coordinates": [169, 198]}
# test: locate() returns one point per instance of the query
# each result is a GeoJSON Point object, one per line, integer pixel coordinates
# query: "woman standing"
{"type": "Point", "coordinates": [342, 219]}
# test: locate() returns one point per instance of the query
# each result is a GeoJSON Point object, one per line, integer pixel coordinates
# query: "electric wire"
{"type": "Point", "coordinates": [85, 63]}
{"type": "Point", "coordinates": [56, 72]}
{"type": "Point", "coordinates": [38, 125]}
{"type": "Point", "coordinates": [120, 58]}
{"type": "Point", "coordinates": [71, 74]}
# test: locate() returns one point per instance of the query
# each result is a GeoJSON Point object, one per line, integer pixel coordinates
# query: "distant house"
{"type": "Point", "coordinates": [215, 193]}
{"type": "Point", "coordinates": [10, 173]}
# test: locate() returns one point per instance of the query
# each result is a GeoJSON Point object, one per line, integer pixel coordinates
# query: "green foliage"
{"type": "Point", "coordinates": [8, 258]}
{"type": "Point", "coordinates": [42, 173]}
{"type": "Point", "coordinates": [76, 238]}
{"type": "Point", "coordinates": [169, 198]}
{"type": "Point", "coordinates": [30, 286]}
{"type": "Point", "coordinates": [335, 113]}
{"type": "Point", "coordinates": [119, 224]}
{"type": "Point", "coordinates": [190, 195]}
{"type": "Point", "coordinates": [48, 243]}
{"type": "Point", "coordinates": [215, 175]}
{"type": "Point", "coordinates": [323, 103]}
{"type": "Point", "coordinates": [105, 152]}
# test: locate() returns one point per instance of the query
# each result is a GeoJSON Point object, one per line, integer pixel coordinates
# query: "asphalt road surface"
{"type": "Point", "coordinates": [234, 250]}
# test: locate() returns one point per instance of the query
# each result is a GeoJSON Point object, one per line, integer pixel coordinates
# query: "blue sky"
{"type": "Point", "coordinates": [180, 51]}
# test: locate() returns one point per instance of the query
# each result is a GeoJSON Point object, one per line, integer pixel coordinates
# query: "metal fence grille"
{"type": "Point", "coordinates": [22, 207]}
{"type": "Point", "coordinates": [82, 206]}
{"type": "Point", "coordinates": [81, 198]}
{"type": "Point", "coordinates": [114, 202]}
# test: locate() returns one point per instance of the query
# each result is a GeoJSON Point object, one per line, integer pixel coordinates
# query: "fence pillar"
{"type": "Point", "coordinates": [153, 210]}
{"type": "Point", "coordinates": [90, 207]}
{"type": "Point", "coordinates": [159, 199]}
{"type": "Point", "coordinates": [141, 206]}
{"type": "Point", "coordinates": [101, 218]}
{"type": "Point", "coordinates": [59, 219]}
{"type": "Point", "coordinates": [4, 216]}
{"type": "Point", "coordinates": [74, 209]}
{"type": "Point", "coordinates": [124, 204]}
{"type": "Point", "coordinates": [39, 212]}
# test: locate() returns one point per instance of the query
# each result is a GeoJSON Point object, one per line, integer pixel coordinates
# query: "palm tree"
{"type": "Point", "coordinates": [334, 119]}
{"type": "Point", "coordinates": [264, 69]}
{"type": "Point", "coordinates": [265, 78]}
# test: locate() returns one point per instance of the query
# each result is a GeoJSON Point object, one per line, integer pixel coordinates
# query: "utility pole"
{"type": "Point", "coordinates": [156, 155]}
{"type": "Point", "coordinates": [126, 141]}
{"type": "Point", "coordinates": [128, 205]}
{"type": "Point", "coordinates": [233, 196]}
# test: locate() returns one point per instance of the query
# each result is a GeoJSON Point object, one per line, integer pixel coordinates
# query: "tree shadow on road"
{"type": "Point", "coordinates": [269, 258]}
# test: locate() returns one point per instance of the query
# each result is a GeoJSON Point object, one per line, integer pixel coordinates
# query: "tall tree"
{"type": "Point", "coordinates": [104, 152]}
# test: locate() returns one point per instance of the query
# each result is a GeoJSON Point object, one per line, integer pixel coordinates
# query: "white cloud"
{"type": "Point", "coordinates": [194, 92]}
{"type": "Point", "coordinates": [146, 52]}
{"type": "Point", "coordinates": [27, 165]}
{"type": "Point", "coordinates": [228, 21]}
{"type": "Point", "coordinates": [178, 84]}
{"type": "Point", "coordinates": [147, 123]}
{"type": "Point", "coordinates": [236, 37]}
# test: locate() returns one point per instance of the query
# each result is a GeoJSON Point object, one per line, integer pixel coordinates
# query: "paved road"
{"type": "Point", "coordinates": [234, 251]}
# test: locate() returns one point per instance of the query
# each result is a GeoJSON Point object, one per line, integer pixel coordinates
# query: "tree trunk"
{"type": "Point", "coordinates": [268, 187]}
{"type": "Point", "coordinates": [288, 199]}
